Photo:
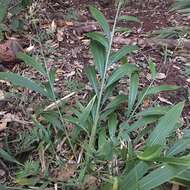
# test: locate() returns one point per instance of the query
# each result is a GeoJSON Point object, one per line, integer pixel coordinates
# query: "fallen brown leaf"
{"type": "Point", "coordinates": [64, 174]}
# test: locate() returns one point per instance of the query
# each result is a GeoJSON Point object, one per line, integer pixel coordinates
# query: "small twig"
{"type": "Point", "coordinates": [58, 102]}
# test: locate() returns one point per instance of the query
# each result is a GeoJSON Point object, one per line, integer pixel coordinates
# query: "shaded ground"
{"type": "Point", "coordinates": [66, 48]}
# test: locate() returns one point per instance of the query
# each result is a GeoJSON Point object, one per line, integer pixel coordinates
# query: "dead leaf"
{"type": "Point", "coordinates": [59, 35]}
{"type": "Point", "coordinates": [146, 103]}
{"type": "Point", "coordinates": [3, 126]}
{"type": "Point", "coordinates": [53, 26]}
{"type": "Point", "coordinates": [160, 76]}
{"type": "Point", "coordinates": [2, 176]}
{"type": "Point", "coordinates": [164, 100]}
{"type": "Point", "coordinates": [68, 23]}
{"type": "Point", "coordinates": [188, 80]}
{"type": "Point", "coordinates": [66, 173]}
{"type": "Point", "coordinates": [90, 181]}
{"type": "Point", "coordinates": [5, 82]}
{"type": "Point", "coordinates": [2, 97]}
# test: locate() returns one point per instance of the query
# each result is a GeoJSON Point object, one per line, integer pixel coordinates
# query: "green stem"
{"type": "Point", "coordinates": [97, 115]}
{"type": "Point", "coordinates": [55, 99]}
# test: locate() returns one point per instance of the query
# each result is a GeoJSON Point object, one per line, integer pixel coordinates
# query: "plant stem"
{"type": "Point", "coordinates": [97, 115]}
{"type": "Point", "coordinates": [55, 99]}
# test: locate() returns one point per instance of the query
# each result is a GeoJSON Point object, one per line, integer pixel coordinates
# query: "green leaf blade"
{"type": "Point", "coordinates": [99, 17]}
{"type": "Point", "coordinates": [165, 126]}
{"type": "Point", "coordinates": [24, 82]}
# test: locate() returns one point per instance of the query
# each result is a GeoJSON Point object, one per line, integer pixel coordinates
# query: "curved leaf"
{"type": "Point", "coordinates": [99, 37]}
{"type": "Point", "coordinates": [91, 74]}
{"type": "Point", "coordinates": [133, 90]}
{"type": "Point", "coordinates": [160, 176]}
{"type": "Point", "coordinates": [129, 18]}
{"type": "Point", "coordinates": [123, 70]}
{"type": "Point", "coordinates": [115, 57]}
{"type": "Point", "coordinates": [99, 17]}
{"type": "Point", "coordinates": [31, 61]}
{"type": "Point", "coordinates": [165, 126]}
{"type": "Point", "coordinates": [99, 56]}
{"type": "Point", "coordinates": [24, 82]}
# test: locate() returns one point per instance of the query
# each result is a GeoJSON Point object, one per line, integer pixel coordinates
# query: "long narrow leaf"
{"type": "Point", "coordinates": [180, 146]}
{"type": "Point", "coordinates": [160, 176]}
{"type": "Point", "coordinates": [4, 5]}
{"type": "Point", "coordinates": [112, 126]}
{"type": "Point", "coordinates": [132, 178]}
{"type": "Point", "coordinates": [159, 110]}
{"type": "Point", "coordinates": [123, 70]}
{"type": "Point", "coordinates": [86, 112]}
{"type": "Point", "coordinates": [166, 125]}
{"type": "Point", "coordinates": [99, 37]}
{"type": "Point", "coordinates": [98, 52]}
{"type": "Point", "coordinates": [116, 101]}
{"type": "Point", "coordinates": [24, 82]}
{"type": "Point", "coordinates": [31, 61]}
{"type": "Point", "coordinates": [155, 90]}
{"type": "Point", "coordinates": [129, 18]}
{"type": "Point", "coordinates": [133, 90]}
{"type": "Point", "coordinates": [99, 17]}
{"type": "Point", "coordinates": [115, 57]}
{"type": "Point", "coordinates": [6, 156]}
{"type": "Point", "coordinates": [91, 74]}
{"type": "Point", "coordinates": [183, 161]}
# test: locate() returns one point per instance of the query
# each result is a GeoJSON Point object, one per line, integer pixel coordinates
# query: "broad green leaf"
{"type": "Point", "coordinates": [180, 4]}
{"type": "Point", "coordinates": [155, 90]}
{"type": "Point", "coordinates": [105, 147]}
{"type": "Point", "coordinates": [31, 61]}
{"type": "Point", "coordinates": [99, 37]}
{"type": "Point", "coordinates": [91, 74]}
{"type": "Point", "coordinates": [183, 161]}
{"type": "Point", "coordinates": [108, 93]}
{"type": "Point", "coordinates": [6, 156]}
{"type": "Point", "coordinates": [133, 90]}
{"type": "Point", "coordinates": [115, 57]}
{"type": "Point", "coordinates": [53, 118]}
{"type": "Point", "coordinates": [24, 82]}
{"type": "Point", "coordinates": [159, 110]}
{"type": "Point", "coordinates": [160, 176]}
{"type": "Point", "coordinates": [165, 126]}
{"type": "Point", "coordinates": [112, 126]}
{"type": "Point", "coordinates": [116, 101]}
{"type": "Point", "coordinates": [123, 70]}
{"type": "Point", "coordinates": [86, 112]}
{"type": "Point", "coordinates": [99, 17]}
{"type": "Point", "coordinates": [132, 178]}
{"type": "Point", "coordinates": [4, 5]}
{"type": "Point", "coordinates": [123, 29]}
{"type": "Point", "coordinates": [183, 178]}
{"type": "Point", "coordinates": [142, 122]}
{"type": "Point", "coordinates": [104, 115]}
{"type": "Point", "coordinates": [52, 75]}
{"type": "Point", "coordinates": [129, 18]}
{"type": "Point", "coordinates": [98, 52]}
{"type": "Point", "coordinates": [149, 153]}
{"type": "Point", "coordinates": [180, 146]}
